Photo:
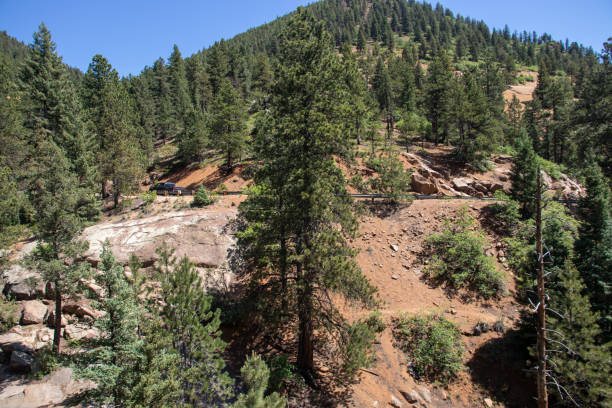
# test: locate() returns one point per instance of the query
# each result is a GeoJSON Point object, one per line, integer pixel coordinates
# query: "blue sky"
{"type": "Point", "coordinates": [132, 34]}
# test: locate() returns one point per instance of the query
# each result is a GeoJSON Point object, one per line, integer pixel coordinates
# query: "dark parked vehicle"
{"type": "Point", "coordinates": [168, 189]}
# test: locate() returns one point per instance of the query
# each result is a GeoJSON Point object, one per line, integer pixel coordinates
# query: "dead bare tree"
{"type": "Point", "coordinates": [541, 307]}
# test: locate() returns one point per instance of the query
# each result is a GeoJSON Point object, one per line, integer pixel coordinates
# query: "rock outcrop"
{"type": "Point", "coordinates": [200, 234]}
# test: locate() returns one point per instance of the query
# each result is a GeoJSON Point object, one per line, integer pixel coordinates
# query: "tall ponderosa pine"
{"type": "Point", "coordinates": [437, 88]}
{"type": "Point", "coordinates": [381, 82]}
{"type": "Point", "coordinates": [228, 122]}
{"type": "Point", "coordinates": [53, 105]}
{"type": "Point", "coordinates": [55, 197]}
{"type": "Point", "coordinates": [582, 364]}
{"type": "Point", "coordinates": [308, 256]}
{"type": "Point", "coordinates": [594, 248]}
{"type": "Point", "coordinates": [523, 177]}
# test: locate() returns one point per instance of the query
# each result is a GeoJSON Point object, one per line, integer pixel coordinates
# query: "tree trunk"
{"type": "Point", "coordinates": [116, 197]}
{"type": "Point", "coordinates": [58, 319]}
{"type": "Point", "coordinates": [305, 358]}
{"type": "Point", "coordinates": [541, 345]}
{"type": "Point", "coordinates": [283, 271]}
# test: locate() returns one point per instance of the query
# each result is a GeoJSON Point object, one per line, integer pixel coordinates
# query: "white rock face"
{"type": "Point", "coordinates": [34, 312]}
{"type": "Point", "coordinates": [52, 389]}
{"type": "Point", "coordinates": [201, 235]}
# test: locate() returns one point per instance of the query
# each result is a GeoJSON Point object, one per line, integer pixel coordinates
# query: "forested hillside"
{"type": "Point", "coordinates": [388, 97]}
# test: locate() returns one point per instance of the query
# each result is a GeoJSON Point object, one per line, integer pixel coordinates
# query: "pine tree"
{"type": "Point", "coordinates": [120, 157]}
{"type": "Point", "coordinates": [300, 176]}
{"type": "Point", "coordinates": [256, 374]}
{"type": "Point", "coordinates": [53, 106]}
{"type": "Point", "coordinates": [437, 94]}
{"type": "Point", "coordinates": [55, 196]}
{"type": "Point", "coordinates": [544, 86]}
{"type": "Point", "coordinates": [475, 126]}
{"type": "Point", "coordinates": [382, 88]}
{"type": "Point", "coordinates": [114, 359]}
{"type": "Point", "coordinates": [361, 41]}
{"type": "Point", "coordinates": [228, 122]}
{"type": "Point", "coordinates": [194, 137]}
{"type": "Point", "coordinates": [594, 247]}
{"type": "Point", "coordinates": [194, 332]}
{"type": "Point", "coordinates": [582, 365]}
{"type": "Point", "coordinates": [178, 85]}
{"type": "Point", "coordinates": [523, 177]}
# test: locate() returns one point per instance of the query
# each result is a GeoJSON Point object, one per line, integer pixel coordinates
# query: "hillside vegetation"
{"type": "Point", "coordinates": [294, 293]}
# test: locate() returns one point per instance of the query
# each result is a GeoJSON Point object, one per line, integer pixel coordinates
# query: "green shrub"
{"type": "Point", "coordinates": [552, 169]}
{"type": "Point", "coordinates": [148, 198]}
{"type": "Point", "coordinates": [221, 188]}
{"type": "Point", "coordinates": [506, 149]}
{"type": "Point", "coordinates": [505, 214]}
{"type": "Point", "coordinates": [432, 343]}
{"type": "Point", "coordinates": [9, 314]}
{"type": "Point", "coordinates": [281, 370]}
{"type": "Point", "coordinates": [529, 78]}
{"type": "Point", "coordinates": [202, 198]}
{"type": "Point", "coordinates": [458, 258]}
{"type": "Point", "coordinates": [521, 79]}
{"type": "Point", "coordinates": [357, 350]}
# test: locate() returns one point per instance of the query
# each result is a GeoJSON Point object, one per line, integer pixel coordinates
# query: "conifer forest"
{"type": "Point", "coordinates": [363, 203]}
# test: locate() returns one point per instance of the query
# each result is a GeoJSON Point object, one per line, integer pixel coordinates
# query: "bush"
{"type": "Point", "coordinates": [202, 198]}
{"type": "Point", "coordinates": [221, 188]}
{"type": "Point", "coordinates": [529, 78]}
{"type": "Point", "coordinates": [9, 314]}
{"type": "Point", "coordinates": [459, 259]}
{"type": "Point", "coordinates": [552, 169]}
{"type": "Point", "coordinates": [505, 215]}
{"type": "Point", "coordinates": [148, 198]}
{"type": "Point", "coordinates": [432, 343]}
{"type": "Point", "coordinates": [281, 370]}
{"type": "Point", "coordinates": [357, 351]}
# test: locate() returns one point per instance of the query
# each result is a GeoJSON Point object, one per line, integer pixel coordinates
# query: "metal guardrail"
{"type": "Point", "coordinates": [415, 196]}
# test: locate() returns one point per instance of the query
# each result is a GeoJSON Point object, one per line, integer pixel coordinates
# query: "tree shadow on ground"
{"type": "Point", "coordinates": [498, 366]}
{"type": "Point", "coordinates": [383, 209]}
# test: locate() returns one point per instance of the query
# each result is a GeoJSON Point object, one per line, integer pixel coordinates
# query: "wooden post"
{"type": "Point", "coordinates": [541, 329]}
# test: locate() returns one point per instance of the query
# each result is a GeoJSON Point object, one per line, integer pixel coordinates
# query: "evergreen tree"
{"type": "Point", "coordinates": [299, 175]}
{"type": "Point", "coordinates": [114, 359]}
{"type": "Point", "coordinates": [178, 85]}
{"type": "Point", "coordinates": [437, 94]}
{"type": "Point", "coordinates": [475, 126]}
{"type": "Point", "coordinates": [544, 86]}
{"type": "Point", "coordinates": [263, 76]}
{"type": "Point", "coordinates": [194, 332]}
{"type": "Point", "coordinates": [53, 106]}
{"type": "Point", "coordinates": [55, 197]}
{"type": "Point", "coordinates": [382, 87]}
{"type": "Point", "coordinates": [361, 41]}
{"type": "Point", "coordinates": [194, 137]}
{"type": "Point", "coordinates": [120, 157]}
{"type": "Point", "coordinates": [582, 365]}
{"type": "Point", "coordinates": [523, 177]}
{"type": "Point", "coordinates": [227, 122]}
{"type": "Point", "coordinates": [594, 248]}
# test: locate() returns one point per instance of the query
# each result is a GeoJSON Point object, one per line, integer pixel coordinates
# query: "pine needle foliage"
{"type": "Point", "coordinates": [432, 343]}
{"type": "Point", "coordinates": [459, 260]}
{"type": "Point", "coordinates": [297, 246]}
{"type": "Point", "coordinates": [256, 374]}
